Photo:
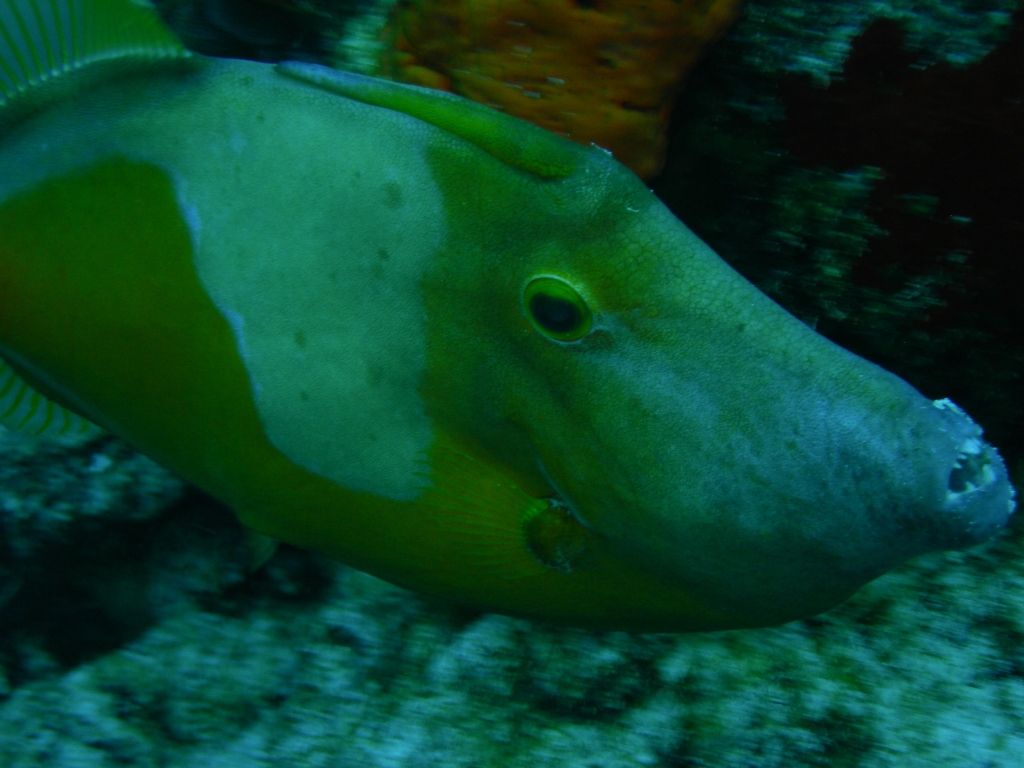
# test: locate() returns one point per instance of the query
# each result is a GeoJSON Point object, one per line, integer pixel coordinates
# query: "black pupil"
{"type": "Point", "coordinates": [555, 314]}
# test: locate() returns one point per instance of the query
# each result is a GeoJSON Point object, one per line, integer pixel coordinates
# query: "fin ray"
{"type": "Point", "coordinates": [45, 40]}
{"type": "Point", "coordinates": [26, 411]}
{"type": "Point", "coordinates": [480, 510]}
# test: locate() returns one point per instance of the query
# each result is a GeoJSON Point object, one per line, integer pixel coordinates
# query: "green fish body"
{"type": "Point", "coordinates": [439, 343]}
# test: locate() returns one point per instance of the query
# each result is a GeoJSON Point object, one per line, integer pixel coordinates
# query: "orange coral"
{"type": "Point", "coordinates": [604, 71]}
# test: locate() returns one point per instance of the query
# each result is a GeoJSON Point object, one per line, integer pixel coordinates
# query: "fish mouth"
{"type": "Point", "coordinates": [979, 495]}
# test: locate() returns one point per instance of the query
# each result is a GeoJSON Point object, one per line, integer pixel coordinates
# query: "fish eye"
{"type": "Point", "coordinates": [556, 309]}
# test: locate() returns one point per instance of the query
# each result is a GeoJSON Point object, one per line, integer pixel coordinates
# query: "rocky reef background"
{"type": "Point", "coordinates": [863, 163]}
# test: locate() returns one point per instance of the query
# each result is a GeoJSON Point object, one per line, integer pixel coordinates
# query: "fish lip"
{"type": "Point", "coordinates": [979, 496]}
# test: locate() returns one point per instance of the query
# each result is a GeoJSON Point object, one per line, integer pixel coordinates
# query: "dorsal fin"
{"type": "Point", "coordinates": [26, 411]}
{"type": "Point", "coordinates": [509, 139]}
{"type": "Point", "coordinates": [43, 42]}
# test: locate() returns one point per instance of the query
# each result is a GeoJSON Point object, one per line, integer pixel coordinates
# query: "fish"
{"type": "Point", "coordinates": [440, 344]}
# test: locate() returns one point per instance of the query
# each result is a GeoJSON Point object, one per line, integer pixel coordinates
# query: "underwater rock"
{"type": "Point", "coordinates": [56, 494]}
{"type": "Point", "coordinates": [263, 30]}
{"type": "Point", "coordinates": [922, 668]}
{"type": "Point", "coordinates": [339, 33]}
{"type": "Point", "coordinates": [604, 72]}
{"type": "Point", "coordinates": [67, 510]}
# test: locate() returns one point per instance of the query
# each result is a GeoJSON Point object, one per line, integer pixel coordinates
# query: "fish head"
{"type": "Point", "coordinates": [707, 436]}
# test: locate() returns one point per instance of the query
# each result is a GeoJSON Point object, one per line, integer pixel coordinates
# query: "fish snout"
{"type": "Point", "coordinates": [979, 497]}
{"type": "Point", "coordinates": [839, 490]}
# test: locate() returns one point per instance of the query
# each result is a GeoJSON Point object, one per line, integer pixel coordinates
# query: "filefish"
{"type": "Point", "coordinates": [438, 343]}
